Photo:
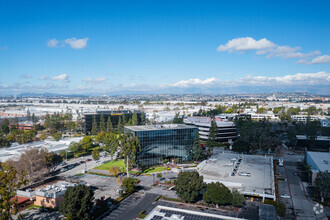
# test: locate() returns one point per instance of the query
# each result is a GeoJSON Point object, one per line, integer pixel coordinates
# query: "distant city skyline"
{"type": "Point", "coordinates": [177, 47]}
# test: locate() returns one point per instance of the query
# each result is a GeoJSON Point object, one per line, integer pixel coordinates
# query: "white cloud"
{"type": "Point", "coordinates": [44, 77]}
{"type": "Point", "coordinates": [266, 47]}
{"type": "Point", "coordinates": [77, 43]}
{"type": "Point", "coordinates": [246, 43]}
{"type": "Point", "coordinates": [52, 43]}
{"type": "Point", "coordinates": [62, 77]}
{"type": "Point", "coordinates": [319, 78]}
{"type": "Point", "coordinates": [321, 59]}
{"type": "Point", "coordinates": [196, 82]}
{"type": "Point", "coordinates": [95, 81]}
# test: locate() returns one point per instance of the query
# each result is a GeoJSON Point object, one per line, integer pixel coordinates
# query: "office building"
{"type": "Point", "coordinates": [163, 142]}
{"type": "Point", "coordinates": [114, 115]}
{"type": "Point", "coordinates": [226, 129]}
{"type": "Point", "coordinates": [318, 161]}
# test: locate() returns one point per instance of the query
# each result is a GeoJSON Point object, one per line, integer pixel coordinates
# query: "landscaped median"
{"type": "Point", "coordinates": [122, 167]}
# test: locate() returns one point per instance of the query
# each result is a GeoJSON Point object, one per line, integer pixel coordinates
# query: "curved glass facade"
{"type": "Point", "coordinates": [162, 144]}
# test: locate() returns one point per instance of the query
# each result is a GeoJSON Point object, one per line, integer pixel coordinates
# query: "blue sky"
{"type": "Point", "coordinates": [119, 47]}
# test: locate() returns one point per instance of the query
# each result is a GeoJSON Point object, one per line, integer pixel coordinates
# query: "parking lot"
{"type": "Point", "coordinates": [105, 186]}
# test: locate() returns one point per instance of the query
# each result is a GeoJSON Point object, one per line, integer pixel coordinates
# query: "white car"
{"type": "Point", "coordinates": [285, 196]}
{"type": "Point", "coordinates": [244, 174]}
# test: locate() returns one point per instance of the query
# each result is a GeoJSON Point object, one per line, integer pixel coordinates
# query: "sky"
{"type": "Point", "coordinates": [151, 47]}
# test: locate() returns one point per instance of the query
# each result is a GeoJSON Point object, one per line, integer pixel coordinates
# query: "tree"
{"type": "Point", "coordinates": [28, 115]}
{"type": "Point", "coordinates": [4, 142]}
{"type": "Point", "coordinates": [43, 136]}
{"type": "Point", "coordinates": [238, 199]}
{"type": "Point", "coordinates": [86, 143]}
{"type": "Point", "coordinates": [96, 154]}
{"type": "Point", "coordinates": [197, 149]}
{"type": "Point", "coordinates": [129, 185]}
{"type": "Point", "coordinates": [177, 119]}
{"type": "Point", "coordinates": [135, 120]}
{"type": "Point", "coordinates": [33, 163]}
{"type": "Point", "coordinates": [52, 159]}
{"type": "Point", "coordinates": [70, 126]}
{"type": "Point", "coordinates": [120, 126]}
{"type": "Point", "coordinates": [114, 170]}
{"type": "Point", "coordinates": [109, 124]}
{"type": "Point", "coordinates": [102, 123]}
{"type": "Point", "coordinates": [5, 126]}
{"type": "Point", "coordinates": [57, 136]}
{"type": "Point", "coordinates": [188, 185]}
{"type": "Point", "coordinates": [211, 141]}
{"type": "Point", "coordinates": [100, 137]}
{"type": "Point", "coordinates": [34, 119]}
{"type": "Point", "coordinates": [322, 183]}
{"type": "Point", "coordinates": [11, 181]}
{"type": "Point", "coordinates": [130, 145]}
{"type": "Point", "coordinates": [143, 118]}
{"type": "Point", "coordinates": [64, 153]}
{"type": "Point", "coordinates": [74, 147]}
{"type": "Point", "coordinates": [111, 143]}
{"type": "Point", "coordinates": [77, 202]}
{"type": "Point", "coordinates": [217, 193]}
{"type": "Point", "coordinates": [95, 129]}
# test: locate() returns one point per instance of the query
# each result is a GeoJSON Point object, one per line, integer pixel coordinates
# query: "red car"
{"type": "Point", "coordinates": [88, 160]}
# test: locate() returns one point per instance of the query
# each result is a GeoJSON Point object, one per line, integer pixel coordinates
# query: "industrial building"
{"type": "Point", "coordinates": [252, 175]}
{"type": "Point", "coordinates": [226, 129]}
{"type": "Point", "coordinates": [163, 142]}
{"type": "Point", "coordinates": [318, 161]}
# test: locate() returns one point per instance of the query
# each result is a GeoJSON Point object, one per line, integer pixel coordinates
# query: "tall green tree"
{"type": "Point", "coordinates": [120, 126]}
{"type": "Point", "coordinates": [96, 154]}
{"type": "Point", "coordinates": [28, 115]}
{"type": "Point", "coordinates": [129, 147]}
{"type": "Point", "coordinates": [135, 120]}
{"type": "Point", "coordinates": [102, 124]}
{"type": "Point", "coordinates": [86, 143]}
{"type": "Point", "coordinates": [143, 118]}
{"type": "Point", "coordinates": [188, 186]}
{"type": "Point", "coordinates": [322, 183]}
{"type": "Point", "coordinates": [238, 199]}
{"type": "Point", "coordinates": [109, 124]}
{"type": "Point", "coordinates": [211, 140]}
{"type": "Point", "coordinates": [34, 119]}
{"type": "Point", "coordinates": [217, 193]}
{"type": "Point", "coordinates": [78, 202]}
{"type": "Point", "coordinates": [11, 181]}
{"type": "Point", "coordinates": [95, 129]}
{"type": "Point", "coordinates": [5, 126]}
{"type": "Point", "coordinates": [197, 149]}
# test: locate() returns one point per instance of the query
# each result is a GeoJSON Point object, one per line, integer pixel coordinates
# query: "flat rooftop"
{"type": "Point", "coordinates": [170, 213]}
{"type": "Point", "coordinates": [321, 159]}
{"type": "Point", "coordinates": [158, 127]}
{"type": "Point", "coordinates": [253, 175]}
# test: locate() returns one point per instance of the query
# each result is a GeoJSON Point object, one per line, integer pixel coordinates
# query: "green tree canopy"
{"type": "Point", "coordinates": [188, 185]}
{"type": "Point", "coordinates": [77, 202]}
{"type": "Point", "coordinates": [95, 129]}
{"type": "Point", "coordinates": [129, 185]}
{"type": "Point", "coordinates": [217, 193]}
{"type": "Point", "coordinates": [10, 182]}
{"type": "Point", "coordinates": [322, 183]}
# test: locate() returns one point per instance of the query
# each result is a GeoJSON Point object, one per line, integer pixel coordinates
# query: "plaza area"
{"type": "Point", "coordinates": [252, 175]}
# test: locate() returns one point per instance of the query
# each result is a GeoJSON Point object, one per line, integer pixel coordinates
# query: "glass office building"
{"type": "Point", "coordinates": [163, 142]}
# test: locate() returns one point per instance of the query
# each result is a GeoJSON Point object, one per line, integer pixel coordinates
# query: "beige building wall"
{"type": "Point", "coordinates": [48, 202]}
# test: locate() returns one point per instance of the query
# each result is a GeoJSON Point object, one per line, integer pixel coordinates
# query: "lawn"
{"type": "Point", "coordinates": [153, 170]}
{"type": "Point", "coordinates": [106, 166]}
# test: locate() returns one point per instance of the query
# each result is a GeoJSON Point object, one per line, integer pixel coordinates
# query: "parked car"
{"type": "Point", "coordinates": [63, 169]}
{"type": "Point", "coordinates": [244, 174]}
{"type": "Point", "coordinates": [81, 162]}
{"type": "Point", "coordinates": [285, 196]}
{"type": "Point", "coordinates": [63, 163]}
{"type": "Point", "coordinates": [88, 160]}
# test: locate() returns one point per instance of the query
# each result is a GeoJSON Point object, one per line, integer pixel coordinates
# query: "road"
{"type": "Point", "coordinates": [299, 201]}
